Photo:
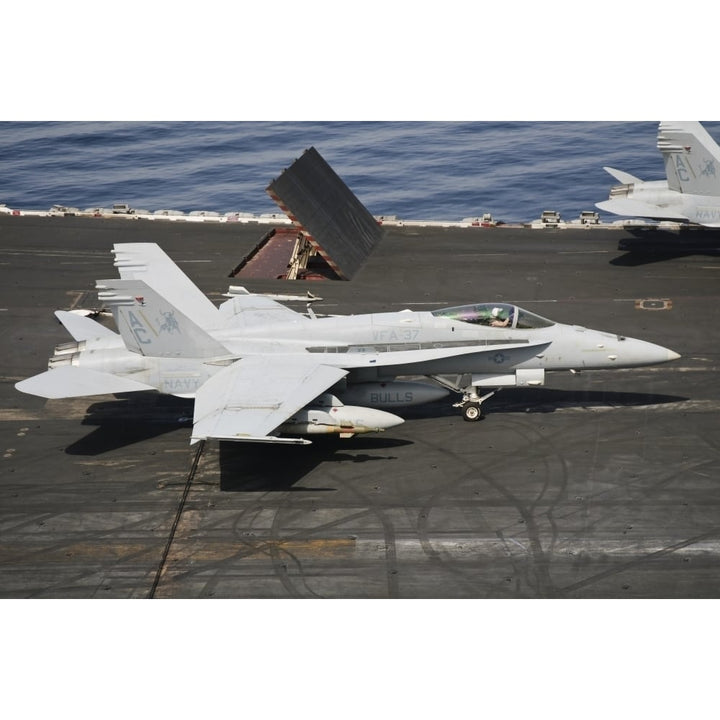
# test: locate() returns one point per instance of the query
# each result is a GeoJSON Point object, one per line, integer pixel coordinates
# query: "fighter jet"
{"type": "Point", "coordinates": [262, 372]}
{"type": "Point", "coordinates": [691, 192]}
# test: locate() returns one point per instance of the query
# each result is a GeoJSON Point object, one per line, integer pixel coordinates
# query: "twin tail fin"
{"type": "Point", "coordinates": [150, 325]}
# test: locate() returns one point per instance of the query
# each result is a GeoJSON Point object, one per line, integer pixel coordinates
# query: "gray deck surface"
{"type": "Point", "coordinates": [600, 485]}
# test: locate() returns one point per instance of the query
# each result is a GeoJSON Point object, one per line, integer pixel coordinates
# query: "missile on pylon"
{"type": "Point", "coordinates": [343, 420]}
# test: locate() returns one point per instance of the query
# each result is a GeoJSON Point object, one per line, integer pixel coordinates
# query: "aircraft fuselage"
{"type": "Point", "coordinates": [381, 347]}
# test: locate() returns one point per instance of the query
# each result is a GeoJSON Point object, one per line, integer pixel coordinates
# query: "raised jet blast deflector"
{"type": "Point", "coordinates": [334, 221]}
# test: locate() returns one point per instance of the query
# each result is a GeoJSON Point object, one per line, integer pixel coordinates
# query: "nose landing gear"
{"type": "Point", "coordinates": [471, 404]}
{"type": "Point", "coordinates": [471, 412]}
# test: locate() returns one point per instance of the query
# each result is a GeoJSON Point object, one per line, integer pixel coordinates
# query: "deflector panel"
{"type": "Point", "coordinates": [332, 219]}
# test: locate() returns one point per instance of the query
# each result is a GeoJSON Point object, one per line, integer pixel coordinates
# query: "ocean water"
{"type": "Point", "coordinates": [414, 170]}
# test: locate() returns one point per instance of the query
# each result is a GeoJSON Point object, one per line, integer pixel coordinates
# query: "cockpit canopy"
{"type": "Point", "coordinates": [495, 315]}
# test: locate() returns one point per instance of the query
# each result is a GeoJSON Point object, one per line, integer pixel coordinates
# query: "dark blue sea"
{"type": "Point", "coordinates": [414, 170]}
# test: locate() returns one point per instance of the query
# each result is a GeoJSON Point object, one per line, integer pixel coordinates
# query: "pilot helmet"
{"type": "Point", "coordinates": [496, 312]}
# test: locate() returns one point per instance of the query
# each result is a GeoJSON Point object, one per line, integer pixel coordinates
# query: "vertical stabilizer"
{"type": "Point", "coordinates": [152, 326]}
{"type": "Point", "coordinates": [149, 262]}
{"type": "Point", "coordinates": [691, 156]}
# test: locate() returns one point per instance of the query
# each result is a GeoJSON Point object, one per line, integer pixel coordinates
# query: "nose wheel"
{"type": "Point", "coordinates": [471, 402]}
{"type": "Point", "coordinates": [471, 405]}
{"type": "Point", "coordinates": [471, 411]}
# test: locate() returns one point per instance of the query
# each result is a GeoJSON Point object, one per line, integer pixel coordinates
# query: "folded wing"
{"type": "Point", "coordinates": [248, 400]}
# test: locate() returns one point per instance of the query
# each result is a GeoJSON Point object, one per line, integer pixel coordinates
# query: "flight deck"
{"type": "Point", "coordinates": [602, 484]}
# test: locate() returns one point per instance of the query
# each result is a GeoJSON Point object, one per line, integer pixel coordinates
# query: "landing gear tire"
{"type": "Point", "coordinates": [472, 412]}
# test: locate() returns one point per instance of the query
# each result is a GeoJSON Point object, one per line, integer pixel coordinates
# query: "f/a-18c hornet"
{"type": "Point", "coordinates": [691, 192]}
{"type": "Point", "coordinates": [261, 372]}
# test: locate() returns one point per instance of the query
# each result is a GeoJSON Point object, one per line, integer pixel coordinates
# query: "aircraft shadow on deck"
{"type": "Point", "coordinates": [545, 400]}
{"type": "Point", "coordinates": [246, 467]}
{"type": "Point", "coordinates": [267, 468]}
{"type": "Point", "coordinates": [651, 245]}
{"type": "Point", "coordinates": [129, 419]}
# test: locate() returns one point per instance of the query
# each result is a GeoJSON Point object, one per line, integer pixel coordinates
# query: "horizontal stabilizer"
{"type": "Point", "coordinates": [70, 381]}
{"type": "Point", "coordinates": [621, 176]}
{"type": "Point", "coordinates": [83, 328]}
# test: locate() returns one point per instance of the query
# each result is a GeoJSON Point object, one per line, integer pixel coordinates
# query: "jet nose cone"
{"type": "Point", "coordinates": [638, 353]}
{"type": "Point", "coordinates": [660, 354]}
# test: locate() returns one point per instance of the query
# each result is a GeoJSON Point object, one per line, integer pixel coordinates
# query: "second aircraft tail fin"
{"type": "Point", "coordinates": [150, 325]}
{"type": "Point", "coordinates": [692, 158]}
